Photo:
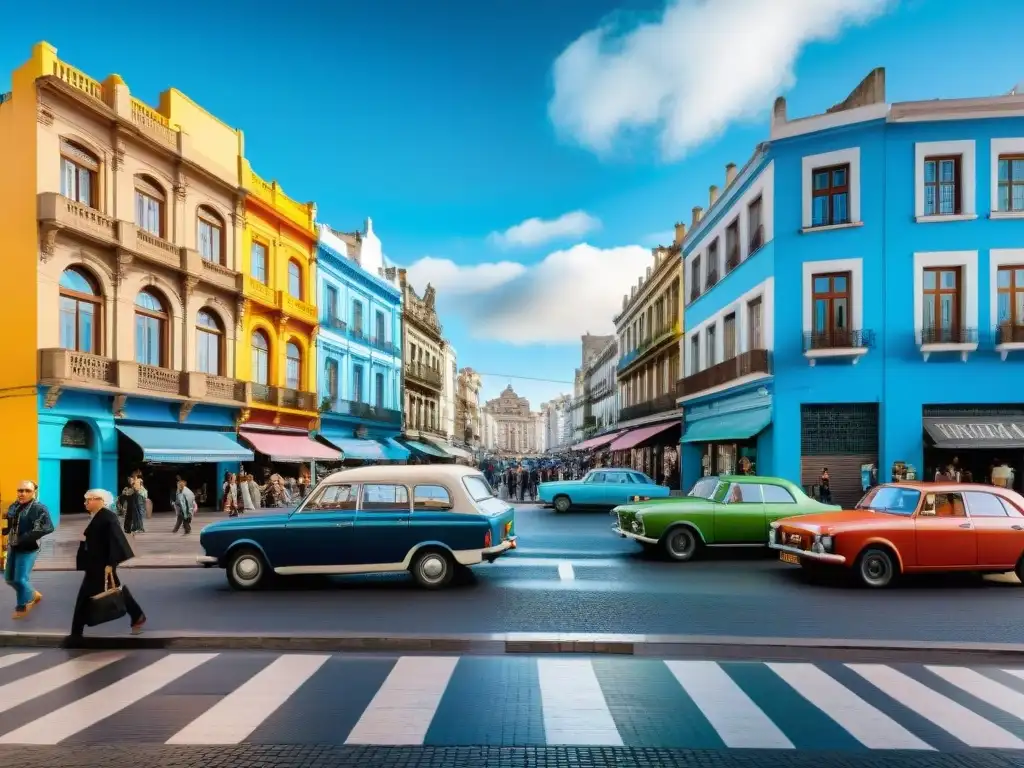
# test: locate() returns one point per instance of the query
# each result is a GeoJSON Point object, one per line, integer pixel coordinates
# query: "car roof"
{"type": "Point", "coordinates": [930, 487]}
{"type": "Point", "coordinates": [762, 479]}
{"type": "Point", "coordinates": [404, 473]}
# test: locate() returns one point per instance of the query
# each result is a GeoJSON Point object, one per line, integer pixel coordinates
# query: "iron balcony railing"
{"type": "Point", "coordinates": [423, 374]}
{"type": "Point", "coordinates": [745, 364]}
{"type": "Point", "coordinates": [1009, 333]}
{"type": "Point", "coordinates": [334, 323]}
{"type": "Point", "coordinates": [383, 345]}
{"type": "Point", "coordinates": [365, 411]}
{"type": "Point", "coordinates": [660, 404]}
{"type": "Point", "coordinates": [838, 338]}
{"type": "Point", "coordinates": [947, 335]}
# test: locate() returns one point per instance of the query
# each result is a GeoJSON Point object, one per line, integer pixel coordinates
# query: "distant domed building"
{"type": "Point", "coordinates": [516, 424]}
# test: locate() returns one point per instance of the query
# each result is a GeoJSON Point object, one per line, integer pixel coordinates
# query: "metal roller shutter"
{"type": "Point", "coordinates": [843, 472]}
{"type": "Point", "coordinates": [841, 437]}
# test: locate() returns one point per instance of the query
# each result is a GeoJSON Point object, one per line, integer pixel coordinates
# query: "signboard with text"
{"type": "Point", "coordinates": [972, 432]}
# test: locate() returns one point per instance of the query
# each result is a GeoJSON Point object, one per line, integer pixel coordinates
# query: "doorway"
{"type": "Point", "coordinates": [74, 482]}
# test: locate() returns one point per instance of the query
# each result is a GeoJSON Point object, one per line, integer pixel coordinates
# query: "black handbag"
{"type": "Point", "coordinates": [107, 606]}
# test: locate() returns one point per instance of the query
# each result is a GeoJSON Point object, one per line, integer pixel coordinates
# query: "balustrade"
{"type": "Point", "coordinates": [745, 364]}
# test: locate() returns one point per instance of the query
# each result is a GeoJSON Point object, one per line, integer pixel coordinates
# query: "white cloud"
{"type": "Point", "coordinates": [537, 231]}
{"type": "Point", "coordinates": [703, 65]}
{"type": "Point", "coordinates": [454, 280]}
{"type": "Point", "coordinates": [569, 293]}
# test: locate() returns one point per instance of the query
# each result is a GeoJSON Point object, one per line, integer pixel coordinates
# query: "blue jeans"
{"type": "Point", "coordinates": [16, 573]}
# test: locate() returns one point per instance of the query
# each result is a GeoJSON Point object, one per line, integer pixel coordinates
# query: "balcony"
{"type": "Point", "coordinates": [283, 397]}
{"type": "Point", "coordinates": [65, 369]}
{"type": "Point", "coordinates": [423, 375]}
{"type": "Point", "coordinates": [365, 411]}
{"type": "Point", "coordinates": [296, 308]}
{"type": "Point", "coordinates": [658, 337]}
{"type": "Point", "coordinates": [61, 213]}
{"type": "Point", "coordinates": [837, 343]}
{"type": "Point", "coordinates": [1009, 337]}
{"type": "Point", "coordinates": [660, 404]}
{"type": "Point", "coordinates": [382, 345]}
{"type": "Point", "coordinates": [732, 259]}
{"type": "Point", "coordinates": [935, 339]}
{"type": "Point", "coordinates": [257, 291]}
{"type": "Point", "coordinates": [334, 324]}
{"type": "Point", "coordinates": [752, 363]}
{"type": "Point", "coordinates": [433, 429]}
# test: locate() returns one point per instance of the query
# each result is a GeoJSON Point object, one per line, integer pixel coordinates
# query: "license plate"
{"type": "Point", "coordinates": [788, 558]}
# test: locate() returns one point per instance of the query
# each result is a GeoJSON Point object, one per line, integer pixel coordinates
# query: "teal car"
{"type": "Point", "coordinates": [600, 489]}
{"type": "Point", "coordinates": [430, 520]}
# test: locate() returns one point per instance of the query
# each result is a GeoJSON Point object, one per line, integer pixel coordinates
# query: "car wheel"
{"type": "Point", "coordinates": [876, 568]}
{"type": "Point", "coordinates": [680, 544]}
{"type": "Point", "coordinates": [562, 504]}
{"type": "Point", "coordinates": [432, 568]}
{"type": "Point", "coordinates": [246, 569]}
{"type": "Point", "coordinates": [1019, 570]}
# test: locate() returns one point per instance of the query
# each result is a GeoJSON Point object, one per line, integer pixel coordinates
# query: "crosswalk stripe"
{"type": "Point", "coordinates": [233, 719]}
{"type": "Point", "coordinates": [1015, 672]}
{"type": "Point", "coordinates": [16, 658]}
{"type": "Point", "coordinates": [984, 688]}
{"type": "Point", "coordinates": [956, 720]}
{"type": "Point", "coordinates": [573, 704]}
{"type": "Point", "coordinates": [401, 712]}
{"type": "Point", "coordinates": [865, 723]}
{"type": "Point", "coordinates": [15, 694]}
{"type": "Point", "coordinates": [565, 572]}
{"type": "Point", "coordinates": [738, 720]}
{"type": "Point", "coordinates": [79, 715]}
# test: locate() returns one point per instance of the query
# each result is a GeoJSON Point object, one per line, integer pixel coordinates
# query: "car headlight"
{"type": "Point", "coordinates": [822, 544]}
{"type": "Point", "coordinates": [771, 536]}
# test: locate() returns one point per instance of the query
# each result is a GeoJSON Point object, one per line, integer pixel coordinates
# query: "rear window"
{"type": "Point", "coordinates": [481, 492]}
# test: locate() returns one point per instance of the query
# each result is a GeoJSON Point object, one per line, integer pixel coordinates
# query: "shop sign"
{"type": "Point", "coordinates": [981, 431]}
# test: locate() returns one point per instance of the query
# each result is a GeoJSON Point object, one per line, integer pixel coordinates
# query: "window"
{"type": "Point", "coordinates": [357, 315]}
{"type": "Point", "coordinates": [1010, 303]}
{"type": "Point", "coordinates": [941, 305]}
{"type": "Point", "coordinates": [695, 353]}
{"type": "Point", "coordinates": [732, 245]}
{"type": "Point", "coordinates": [887, 498]}
{"type": "Point", "coordinates": [712, 346]}
{"type": "Point", "coordinates": [209, 342]}
{"type": "Point", "coordinates": [428, 497]}
{"type": "Point", "coordinates": [713, 262]}
{"type": "Point", "coordinates": [357, 383]}
{"type": "Point", "coordinates": [755, 224]}
{"type": "Point", "coordinates": [985, 504]}
{"type": "Point", "coordinates": [210, 236]}
{"type": "Point", "coordinates": [331, 374]}
{"type": "Point", "coordinates": [333, 498]}
{"type": "Point", "coordinates": [595, 477]}
{"type": "Point", "coordinates": [478, 488]}
{"type": "Point", "coordinates": [730, 337]}
{"type": "Point", "coordinates": [150, 202]}
{"type": "Point", "coordinates": [79, 312]}
{"type": "Point", "coordinates": [151, 324]}
{"type": "Point", "coordinates": [944, 505]}
{"type": "Point", "coordinates": [381, 329]}
{"type": "Point", "coordinates": [293, 366]}
{"type": "Point", "coordinates": [831, 302]}
{"type": "Point", "coordinates": [260, 358]}
{"type": "Point", "coordinates": [384, 498]}
{"type": "Point", "coordinates": [704, 489]}
{"type": "Point", "coordinates": [258, 262]}
{"type": "Point", "coordinates": [744, 493]}
{"type": "Point", "coordinates": [294, 280]}
{"type": "Point", "coordinates": [830, 196]}
{"type": "Point", "coordinates": [1011, 184]}
{"type": "Point", "coordinates": [378, 390]}
{"type": "Point", "coordinates": [695, 278]}
{"type": "Point", "coordinates": [331, 304]}
{"type": "Point", "coordinates": [942, 186]}
{"type": "Point", "coordinates": [79, 171]}
{"type": "Point", "coordinates": [774, 494]}
{"type": "Point", "coordinates": [755, 339]}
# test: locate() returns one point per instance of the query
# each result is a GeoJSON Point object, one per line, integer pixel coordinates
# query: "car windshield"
{"type": "Point", "coordinates": [704, 489]}
{"type": "Point", "coordinates": [894, 500]}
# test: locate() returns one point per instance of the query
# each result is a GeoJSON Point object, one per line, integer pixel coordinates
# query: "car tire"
{"type": "Point", "coordinates": [432, 568]}
{"type": "Point", "coordinates": [681, 544]}
{"type": "Point", "coordinates": [562, 504]}
{"type": "Point", "coordinates": [246, 569]}
{"type": "Point", "coordinates": [876, 568]}
{"type": "Point", "coordinates": [1019, 570]}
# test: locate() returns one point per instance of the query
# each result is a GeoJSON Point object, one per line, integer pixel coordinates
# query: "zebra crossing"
{"type": "Point", "coordinates": [257, 698]}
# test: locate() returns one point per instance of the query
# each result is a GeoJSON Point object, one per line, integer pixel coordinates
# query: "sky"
{"type": "Point", "coordinates": [523, 156]}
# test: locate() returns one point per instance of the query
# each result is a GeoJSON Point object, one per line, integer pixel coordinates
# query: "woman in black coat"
{"type": "Point", "coordinates": [103, 547]}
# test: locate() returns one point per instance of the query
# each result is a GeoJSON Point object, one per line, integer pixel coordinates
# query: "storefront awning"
{"type": "Point", "coordinates": [448, 448]}
{"type": "Point", "coordinates": [634, 437]}
{"type": "Point", "coordinates": [185, 446]}
{"type": "Point", "coordinates": [394, 450]}
{"type": "Point", "coordinates": [362, 450]}
{"type": "Point", "coordinates": [289, 447]}
{"type": "Point", "coordinates": [596, 442]}
{"type": "Point", "coordinates": [741, 425]}
{"type": "Point", "coordinates": [974, 432]}
{"type": "Point", "coordinates": [428, 450]}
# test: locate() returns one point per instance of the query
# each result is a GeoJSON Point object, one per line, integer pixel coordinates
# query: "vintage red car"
{"type": "Point", "coordinates": [911, 527]}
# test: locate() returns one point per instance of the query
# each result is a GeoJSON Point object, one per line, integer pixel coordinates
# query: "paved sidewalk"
{"type": "Point", "coordinates": [157, 548]}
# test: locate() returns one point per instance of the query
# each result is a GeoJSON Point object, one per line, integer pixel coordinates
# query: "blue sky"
{"type": "Point", "coordinates": [450, 127]}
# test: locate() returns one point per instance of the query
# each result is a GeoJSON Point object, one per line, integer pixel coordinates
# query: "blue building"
{"type": "Point", "coordinates": [856, 295]}
{"type": "Point", "coordinates": [359, 354]}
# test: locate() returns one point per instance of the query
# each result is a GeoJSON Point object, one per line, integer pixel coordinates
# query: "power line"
{"type": "Point", "coordinates": [522, 378]}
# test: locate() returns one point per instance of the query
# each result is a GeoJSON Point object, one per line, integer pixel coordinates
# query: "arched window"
{"type": "Point", "coordinates": [209, 344]}
{"type": "Point", "coordinates": [79, 173]}
{"type": "Point", "coordinates": [294, 280]}
{"type": "Point", "coordinates": [260, 358]}
{"type": "Point", "coordinates": [210, 235]}
{"type": "Point", "coordinates": [150, 206]}
{"type": "Point", "coordinates": [80, 311]}
{"type": "Point", "coordinates": [151, 325]}
{"type": "Point", "coordinates": [293, 369]}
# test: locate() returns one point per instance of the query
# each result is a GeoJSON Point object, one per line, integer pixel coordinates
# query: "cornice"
{"type": "Point", "coordinates": [345, 269]}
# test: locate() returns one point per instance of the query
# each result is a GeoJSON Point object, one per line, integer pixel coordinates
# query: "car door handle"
{"type": "Point", "coordinates": [965, 525]}
{"type": "Point", "coordinates": [1017, 527]}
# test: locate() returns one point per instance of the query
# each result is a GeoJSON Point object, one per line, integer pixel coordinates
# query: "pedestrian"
{"type": "Point", "coordinates": [245, 493]}
{"type": "Point", "coordinates": [28, 521]}
{"type": "Point", "coordinates": [825, 483]}
{"type": "Point", "coordinates": [184, 507]}
{"type": "Point", "coordinates": [230, 494]}
{"type": "Point", "coordinates": [133, 501]}
{"type": "Point", "coordinates": [102, 547]}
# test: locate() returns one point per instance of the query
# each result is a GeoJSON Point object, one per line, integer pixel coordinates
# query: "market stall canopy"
{"type": "Point", "coordinates": [741, 425]}
{"type": "Point", "coordinates": [448, 448]}
{"type": "Point", "coordinates": [428, 449]}
{"type": "Point", "coordinates": [596, 442]}
{"type": "Point", "coordinates": [959, 432]}
{"type": "Point", "coordinates": [634, 437]}
{"type": "Point", "coordinates": [185, 446]}
{"type": "Point", "coordinates": [289, 447]}
{"type": "Point", "coordinates": [369, 450]}
{"type": "Point", "coordinates": [394, 450]}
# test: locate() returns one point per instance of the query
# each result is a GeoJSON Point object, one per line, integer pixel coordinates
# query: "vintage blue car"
{"type": "Point", "coordinates": [430, 520]}
{"type": "Point", "coordinates": [601, 489]}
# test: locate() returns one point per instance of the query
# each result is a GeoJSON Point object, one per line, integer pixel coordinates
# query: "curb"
{"type": "Point", "coordinates": [650, 646]}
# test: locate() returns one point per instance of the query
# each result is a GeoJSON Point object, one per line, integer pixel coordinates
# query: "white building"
{"type": "Point", "coordinates": [558, 424]}
{"type": "Point", "coordinates": [541, 430]}
{"type": "Point", "coordinates": [449, 394]}
{"type": "Point", "coordinates": [517, 425]}
{"type": "Point", "coordinates": [602, 388]}
{"type": "Point", "coordinates": [489, 431]}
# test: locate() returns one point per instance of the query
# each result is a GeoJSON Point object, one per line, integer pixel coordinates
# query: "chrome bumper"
{"type": "Point", "coordinates": [505, 546]}
{"type": "Point", "coordinates": [633, 536]}
{"type": "Point", "coordinates": [207, 560]}
{"type": "Point", "coordinates": [821, 557]}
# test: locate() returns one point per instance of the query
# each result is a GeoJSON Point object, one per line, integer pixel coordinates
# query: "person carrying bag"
{"type": "Point", "coordinates": [103, 546]}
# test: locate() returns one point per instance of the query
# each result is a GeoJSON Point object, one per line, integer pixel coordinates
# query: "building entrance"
{"type": "Point", "coordinates": [74, 482]}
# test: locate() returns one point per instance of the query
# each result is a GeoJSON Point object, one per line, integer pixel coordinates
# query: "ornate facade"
{"type": "Point", "coordinates": [516, 425]}
{"type": "Point", "coordinates": [468, 416]}
{"type": "Point", "coordinates": [423, 348]}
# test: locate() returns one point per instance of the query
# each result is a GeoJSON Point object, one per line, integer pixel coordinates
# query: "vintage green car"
{"type": "Point", "coordinates": [726, 511]}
